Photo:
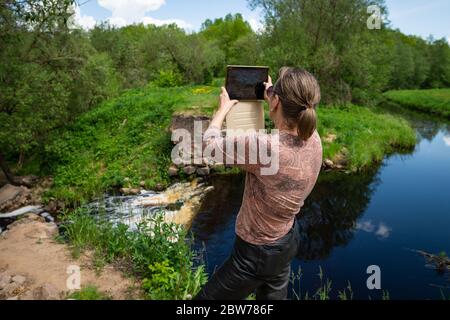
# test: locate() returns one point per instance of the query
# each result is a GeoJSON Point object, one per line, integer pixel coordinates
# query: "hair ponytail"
{"type": "Point", "coordinates": [299, 93]}
{"type": "Point", "coordinates": [307, 123]}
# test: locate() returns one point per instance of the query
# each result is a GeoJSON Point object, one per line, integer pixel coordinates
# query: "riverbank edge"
{"type": "Point", "coordinates": [418, 106]}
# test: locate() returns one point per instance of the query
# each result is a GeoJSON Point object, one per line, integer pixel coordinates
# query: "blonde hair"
{"type": "Point", "coordinates": [299, 93]}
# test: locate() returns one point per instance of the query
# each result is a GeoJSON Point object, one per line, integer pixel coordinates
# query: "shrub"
{"type": "Point", "coordinates": [169, 79]}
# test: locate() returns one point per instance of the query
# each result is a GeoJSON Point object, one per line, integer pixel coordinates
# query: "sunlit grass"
{"type": "Point", "coordinates": [433, 101]}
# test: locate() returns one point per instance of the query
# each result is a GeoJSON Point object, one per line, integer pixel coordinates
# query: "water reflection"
{"type": "Point", "coordinates": [447, 140]}
{"type": "Point", "coordinates": [381, 230]}
{"type": "Point", "coordinates": [329, 217]}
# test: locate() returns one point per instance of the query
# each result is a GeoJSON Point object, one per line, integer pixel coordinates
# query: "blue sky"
{"type": "Point", "coordinates": [419, 17]}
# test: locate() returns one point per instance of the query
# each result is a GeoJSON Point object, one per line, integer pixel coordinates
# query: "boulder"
{"type": "Point", "coordinates": [203, 171]}
{"type": "Point", "coordinates": [11, 289]}
{"type": "Point", "coordinates": [328, 163]}
{"type": "Point", "coordinates": [20, 280]}
{"type": "Point", "coordinates": [12, 197]}
{"type": "Point", "coordinates": [130, 191]}
{"type": "Point", "coordinates": [187, 123]}
{"type": "Point", "coordinates": [173, 171]}
{"type": "Point", "coordinates": [46, 292]}
{"type": "Point", "coordinates": [5, 279]}
{"type": "Point", "coordinates": [190, 170]}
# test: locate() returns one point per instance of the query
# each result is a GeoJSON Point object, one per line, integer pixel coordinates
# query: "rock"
{"type": "Point", "coordinates": [130, 191]}
{"type": "Point", "coordinates": [203, 171]}
{"type": "Point", "coordinates": [142, 184]}
{"type": "Point", "coordinates": [48, 217]}
{"type": "Point", "coordinates": [173, 171]}
{"type": "Point", "coordinates": [5, 279]}
{"type": "Point", "coordinates": [159, 187]}
{"type": "Point", "coordinates": [11, 289]}
{"type": "Point", "coordinates": [190, 170]}
{"type": "Point", "coordinates": [330, 138]}
{"type": "Point", "coordinates": [328, 163]}
{"type": "Point", "coordinates": [187, 122]}
{"type": "Point", "coordinates": [45, 215]}
{"type": "Point", "coordinates": [34, 217]}
{"type": "Point", "coordinates": [20, 280]}
{"type": "Point", "coordinates": [13, 298]}
{"type": "Point", "coordinates": [12, 197]}
{"type": "Point", "coordinates": [46, 292]}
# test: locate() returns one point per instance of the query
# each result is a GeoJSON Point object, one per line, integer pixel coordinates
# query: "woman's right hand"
{"type": "Point", "coordinates": [267, 85]}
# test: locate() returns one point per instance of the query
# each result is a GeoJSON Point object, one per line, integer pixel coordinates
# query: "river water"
{"type": "Point", "coordinates": [351, 222]}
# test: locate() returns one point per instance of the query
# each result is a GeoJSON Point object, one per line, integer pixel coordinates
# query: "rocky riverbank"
{"type": "Point", "coordinates": [34, 266]}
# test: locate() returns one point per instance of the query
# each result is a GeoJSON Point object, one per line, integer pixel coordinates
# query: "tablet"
{"type": "Point", "coordinates": [246, 83]}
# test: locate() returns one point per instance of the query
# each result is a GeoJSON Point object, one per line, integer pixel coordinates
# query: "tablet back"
{"type": "Point", "coordinates": [246, 115]}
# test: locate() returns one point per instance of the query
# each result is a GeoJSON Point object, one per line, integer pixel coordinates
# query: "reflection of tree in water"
{"type": "Point", "coordinates": [427, 126]}
{"type": "Point", "coordinates": [219, 205]}
{"type": "Point", "coordinates": [328, 218]}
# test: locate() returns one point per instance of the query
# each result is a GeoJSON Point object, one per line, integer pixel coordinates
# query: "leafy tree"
{"type": "Point", "coordinates": [320, 36]}
{"type": "Point", "coordinates": [226, 32]}
{"type": "Point", "coordinates": [49, 73]}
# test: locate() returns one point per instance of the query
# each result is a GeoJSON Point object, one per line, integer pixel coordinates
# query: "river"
{"type": "Point", "coordinates": [352, 221]}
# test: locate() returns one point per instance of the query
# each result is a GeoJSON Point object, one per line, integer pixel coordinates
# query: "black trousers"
{"type": "Point", "coordinates": [265, 269]}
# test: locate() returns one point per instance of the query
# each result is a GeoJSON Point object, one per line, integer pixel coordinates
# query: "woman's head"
{"type": "Point", "coordinates": [295, 97]}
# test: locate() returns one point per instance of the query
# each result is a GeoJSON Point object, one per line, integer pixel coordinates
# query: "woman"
{"type": "Point", "coordinates": [267, 235]}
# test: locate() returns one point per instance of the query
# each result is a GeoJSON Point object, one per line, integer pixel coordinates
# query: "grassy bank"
{"type": "Point", "coordinates": [359, 136]}
{"type": "Point", "coordinates": [435, 101]}
{"type": "Point", "coordinates": [126, 140]}
{"type": "Point", "coordinates": [158, 254]}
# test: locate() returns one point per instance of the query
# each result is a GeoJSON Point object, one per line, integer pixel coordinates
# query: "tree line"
{"type": "Point", "coordinates": [51, 71]}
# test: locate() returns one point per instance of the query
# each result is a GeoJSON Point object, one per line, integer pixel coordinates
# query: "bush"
{"type": "Point", "coordinates": [157, 252]}
{"type": "Point", "coordinates": [169, 79]}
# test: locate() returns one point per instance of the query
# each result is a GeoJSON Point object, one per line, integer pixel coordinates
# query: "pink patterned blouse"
{"type": "Point", "coordinates": [275, 190]}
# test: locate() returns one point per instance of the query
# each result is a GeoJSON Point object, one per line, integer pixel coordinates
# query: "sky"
{"type": "Point", "coordinates": [417, 17]}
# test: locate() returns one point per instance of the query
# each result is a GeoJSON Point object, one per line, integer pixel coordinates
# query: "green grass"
{"type": "Point", "coordinates": [121, 143]}
{"type": "Point", "coordinates": [89, 293]}
{"type": "Point", "coordinates": [363, 135]}
{"type": "Point", "coordinates": [325, 290]}
{"type": "Point", "coordinates": [434, 101]}
{"type": "Point", "coordinates": [157, 253]}
{"type": "Point", "coordinates": [126, 140]}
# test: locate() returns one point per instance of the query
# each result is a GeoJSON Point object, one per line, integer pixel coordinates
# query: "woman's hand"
{"type": "Point", "coordinates": [225, 104]}
{"type": "Point", "coordinates": [267, 85]}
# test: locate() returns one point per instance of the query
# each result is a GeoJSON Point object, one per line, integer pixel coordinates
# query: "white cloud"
{"type": "Point", "coordinates": [447, 140]}
{"type": "Point", "coordinates": [254, 22]}
{"type": "Point", "coordinates": [126, 12]}
{"type": "Point", "coordinates": [383, 231]}
{"type": "Point", "coordinates": [366, 226]}
{"type": "Point", "coordinates": [131, 9]}
{"type": "Point", "coordinates": [181, 23]}
{"type": "Point", "coordinates": [86, 22]}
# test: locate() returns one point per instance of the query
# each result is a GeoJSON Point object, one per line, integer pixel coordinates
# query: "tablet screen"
{"type": "Point", "coordinates": [246, 83]}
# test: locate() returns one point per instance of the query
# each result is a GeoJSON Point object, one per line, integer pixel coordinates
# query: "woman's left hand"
{"type": "Point", "coordinates": [225, 103]}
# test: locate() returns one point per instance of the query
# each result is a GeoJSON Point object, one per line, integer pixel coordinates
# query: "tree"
{"type": "Point", "coordinates": [44, 66]}
{"type": "Point", "coordinates": [228, 33]}
{"type": "Point", "coordinates": [321, 36]}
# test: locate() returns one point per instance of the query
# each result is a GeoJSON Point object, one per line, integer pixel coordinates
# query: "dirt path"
{"type": "Point", "coordinates": [34, 266]}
